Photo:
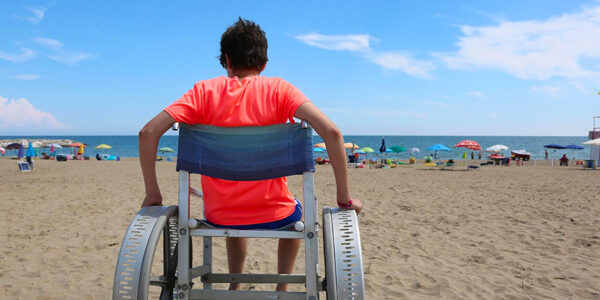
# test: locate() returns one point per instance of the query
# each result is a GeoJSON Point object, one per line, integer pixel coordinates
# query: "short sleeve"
{"type": "Point", "coordinates": [292, 98]}
{"type": "Point", "coordinates": [188, 108]}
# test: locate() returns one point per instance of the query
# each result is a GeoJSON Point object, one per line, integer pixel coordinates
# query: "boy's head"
{"type": "Point", "coordinates": [245, 44]}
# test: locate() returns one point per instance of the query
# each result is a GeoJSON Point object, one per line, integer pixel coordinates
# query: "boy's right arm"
{"type": "Point", "coordinates": [148, 142]}
{"type": "Point", "coordinates": [334, 141]}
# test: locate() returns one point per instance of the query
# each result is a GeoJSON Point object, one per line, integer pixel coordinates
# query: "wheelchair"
{"type": "Point", "coordinates": [239, 153]}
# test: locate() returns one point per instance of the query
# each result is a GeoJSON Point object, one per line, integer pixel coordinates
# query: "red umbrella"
{"type": "Point", "coordinates": [471, 145]}
{"type": "Point", "coordinates": [77, 144]}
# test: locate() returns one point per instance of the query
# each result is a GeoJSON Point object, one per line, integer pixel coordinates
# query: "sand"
{"type": "Point", "coordinates": [529, 232]}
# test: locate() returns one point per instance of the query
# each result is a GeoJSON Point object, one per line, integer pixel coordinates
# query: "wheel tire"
{"type": "Point", "coordinates": [328, 246]}
{"type": "Point", "coordinates": [134, 265]}
{"type": "Point", "coordinates": [344, 277]}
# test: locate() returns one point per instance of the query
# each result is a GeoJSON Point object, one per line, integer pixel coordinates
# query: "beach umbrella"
{"type": "Point", "coordinates": [471, 145]}
{"type": "Point", "coordinates": [360, 151]}
{"type": "Point", "coordinates": [13, 146]}
{"type": "Point", "coordinates": [414, 150]}
{"type": "Point", "coordinates": [30, 151]}
{"type": "Point", "coordinates": [2, 150]}
{"type": "Point", "coordinates": [367, 149]}
{"type": "Point", "coordinates": [438, 147]}
{"type": "Point", "coordinates": [103, 146]}
{"type": "Point", "coordinates": [576, 147]}
{"type": "Point", "coordinates": [76, 145]}
{"type": "Point", "coordinates": [52, 146]}
{"type": "Point", "coordinates": [318, 149]}
{"type": "Point", "coordinates": [350, 146]}
{"type": "Point", "coordinates": [397, 149]}
{"type": "Point", "coordinates": [20, 154]}
{"type": "Point", "coordinates": [166, 149]}
{"type": "Point", "coordinates": [320, 145]}
{"type": "Point", "coordinates": [554, 146]}
{"type": "Point", "coordinates": [497, 148]}
{"type": "Point", "coordinates": [591, 142]}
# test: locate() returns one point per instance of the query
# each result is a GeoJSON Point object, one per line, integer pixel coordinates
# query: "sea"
{"type": "Point", "coordinates": [127, 146]}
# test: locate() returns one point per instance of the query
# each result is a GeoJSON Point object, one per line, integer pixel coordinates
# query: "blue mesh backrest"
{"type": "Point", "coordinates": [245, 153]}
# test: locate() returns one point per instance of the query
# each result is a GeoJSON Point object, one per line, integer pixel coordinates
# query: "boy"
{"type": "Point", "coordinates": [244, 98]}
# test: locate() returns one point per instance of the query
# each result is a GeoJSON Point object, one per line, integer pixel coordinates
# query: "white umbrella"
{"type": "Point", "coordinates": [497, 148]}
{"type": "Point", "coordinates": [595, 142]}
{"type": "Point", "coordinates": [56, 146]}
{"type": "Point", "coordinates": [413, 150]}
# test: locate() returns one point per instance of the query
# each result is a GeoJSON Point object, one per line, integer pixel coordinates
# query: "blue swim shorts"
{"type": "Point", "coordinates": [294, 217]}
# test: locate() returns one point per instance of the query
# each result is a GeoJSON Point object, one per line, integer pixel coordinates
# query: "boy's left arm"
{"type": "Point", "coordinates": [148, 142]}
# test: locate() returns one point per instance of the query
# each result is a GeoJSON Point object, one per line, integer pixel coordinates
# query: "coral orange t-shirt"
{"type": "Point", "coordinates": [229, 102]}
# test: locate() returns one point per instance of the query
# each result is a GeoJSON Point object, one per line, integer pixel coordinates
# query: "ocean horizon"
{"type": "Point", "coordinates": [127, 145]}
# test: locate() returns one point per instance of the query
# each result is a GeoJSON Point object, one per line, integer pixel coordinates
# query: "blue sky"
{"type": "Point", "coordinates": [378, 67]}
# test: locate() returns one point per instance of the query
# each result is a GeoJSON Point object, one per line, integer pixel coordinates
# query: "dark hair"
{"type": "Point", "coordinates": [245, 44]}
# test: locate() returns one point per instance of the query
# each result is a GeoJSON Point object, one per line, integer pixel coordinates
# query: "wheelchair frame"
{"type": "Point", "coordinates": [343, 254]}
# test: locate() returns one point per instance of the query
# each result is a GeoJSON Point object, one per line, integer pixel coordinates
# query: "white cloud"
{"type": "Point", "coordinates": [50, 43]}
{"type": "Point", "coordinates": [360, 43]}
{"type": "Point", "coordinates": [549, 91]}
{"type": "Point", "coordinates": [349, 42]}
{"type": "Point", "coordinates": [475, 94]}
{"type": "Point", "coordinates": [402, 62]}
{"type": "Point", "coordinates": [20, 113]}
{"type": "Point", "coordinates": [60, 54]}
{"type": "Point", "coordinates": [71, 58]}
{"type": "Point", "coordinates": [534, 49]}
{"type": "Point", "coordinates": [37, 14]}
{"type": "Point", "coordinates": [25, 55]}
{"type": "Point", "coordinates": [27, 76]}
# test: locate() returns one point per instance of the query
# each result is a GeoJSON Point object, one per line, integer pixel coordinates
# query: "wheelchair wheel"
{"type": "Point", "coordinates": [133, 274]}
{"type": "Point", "coordinates": [344, 278]}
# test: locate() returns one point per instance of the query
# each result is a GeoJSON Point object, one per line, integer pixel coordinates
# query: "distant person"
{"type": "Point", "coordinates": [245, 98]}
{"type": "Point", "coordinates": [564, 161]}
{"type": "Point", "coordinates": [472, 155]}
{"type": "Point", "coordinates": [545, 154]}
{"type": "Point", "coordinates": [479, 155]}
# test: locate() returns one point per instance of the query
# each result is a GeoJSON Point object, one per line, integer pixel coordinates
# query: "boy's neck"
{"type": "Point", "coordinates": [242, 73]}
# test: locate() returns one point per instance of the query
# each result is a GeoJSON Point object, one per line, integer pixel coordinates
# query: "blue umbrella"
{"type": "Point", "coordinates": [554, 146]}
{"type": "Point", "coordinates": [438, 147]}
{"type": "Point", "coordinates": [360, 152]}
{"type": "Point", "coordinates": [382, 148]}
{"type": "Point", "coordinates": [317, 149]}
{"type": "Point", "coordinates": [577, 147]}
{"type": "Point", "coordinates": [20, 154]}
{"type": "Point", "coordinates": [30, 151]}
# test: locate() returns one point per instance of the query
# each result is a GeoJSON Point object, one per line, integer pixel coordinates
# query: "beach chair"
{"type": "Point", "coordinates": [239, 153]}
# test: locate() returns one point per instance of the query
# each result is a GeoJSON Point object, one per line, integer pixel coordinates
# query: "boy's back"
{"type": "Point", "coordinates": [229, 102]}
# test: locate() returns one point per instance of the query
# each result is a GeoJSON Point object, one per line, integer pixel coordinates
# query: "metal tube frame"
{"type": "Point", "coordinates": [185, 274]}
{"type": "Point", "coordinates": [183, 259]}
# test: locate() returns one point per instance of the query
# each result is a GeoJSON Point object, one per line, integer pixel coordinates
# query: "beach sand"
{"type": "Point", "coordinates": [494, 233]}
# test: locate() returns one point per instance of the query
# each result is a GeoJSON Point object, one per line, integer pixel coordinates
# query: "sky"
{"type": "Point", "coordinates": [374, 67]}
